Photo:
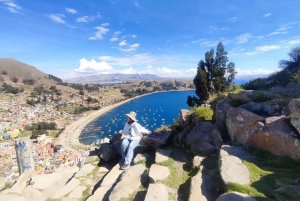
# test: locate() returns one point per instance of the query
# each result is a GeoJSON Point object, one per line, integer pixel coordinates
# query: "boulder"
{"type": "Point", "coordinates": [2, 183]}
{"type": "Point", "coordinates": [235, 196]}
{"type": "Point", "coordinates": [259, 108]}
{"type": "Point", "coordinates": [107, 152]}
{"type": "Point", "coordinates": [44, 181]}
{"type": "Point", "coordinates": [196, 188]}
{"type": "Point", "coordinates": [220, 112]}
{"type": "Point", "coordinates": [158, 172]}
{"type": "Point", "coordinates": [204, 137]}
{"type": "Point", "coordinates": [157, 192]}
{"type": "Point", "coordinates": [69, 187]}
{"type": "Point", "coordinates": [130, 181]}
{"type": "Point", "coordinates": [183, 115]}
{"type": "Point", "coordinates": [239, 123]}
{"type": "Point", "coordinates": [112, 176]}
{"type": "Point", "coordinates": [140, 157]}
{"type": "Point", "coordinates": [77, 192]}
{"type": "Point", "coordinates": [294, 107]}
{"type": "Point", "coordinates": [232, 169]}
{"type": "Point", "coordinates": [241, 96]}
{"type": "Point", "coordinates": [157, 139]}
{"type": "Point", "coordinates": [86, 169]}
{"type": "Point", "coordinates": [197, 161]}
{"type": "Point", "coordinates": [30, 193]}
{"type": "Point", "coordinates": [162, 155]}
{"type": "Point", "coordinates": [22, 181]}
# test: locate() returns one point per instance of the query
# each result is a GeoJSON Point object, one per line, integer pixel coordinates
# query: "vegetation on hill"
{"type": "Point", "coordinates": [214, 75]}
{"type": "Point", "coordinates": [287, 75]}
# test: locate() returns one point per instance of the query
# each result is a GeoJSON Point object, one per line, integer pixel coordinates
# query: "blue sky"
{"type": "Point", "coordinates": [166, 38]}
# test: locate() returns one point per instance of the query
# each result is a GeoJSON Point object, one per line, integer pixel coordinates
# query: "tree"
{"type": "Point", "coordinates": [294, 61]}
{"type": "Point", "coordinates": [214, 74]}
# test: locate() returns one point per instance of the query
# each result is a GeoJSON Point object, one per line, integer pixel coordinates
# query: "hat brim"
{"type": "Point", "coordinates": [131, 117]}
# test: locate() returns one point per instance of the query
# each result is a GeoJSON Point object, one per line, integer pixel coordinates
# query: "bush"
{"type": "Point", "coordinates": [204, 113]}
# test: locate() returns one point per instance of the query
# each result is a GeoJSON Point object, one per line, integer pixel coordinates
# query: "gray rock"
{"type": "Point", "coordinates": [107, 152]}
{"type": "Point", "coordinates": [100, 194]}
{"type": "Point", "coordinates": [77, 192]}
{"type": "Point", "coordinates": [86, 169]}
{"type": "Point", "coordinates": [158, 172]}
{"type": "Point", "coordinates": [235, 196]}
{"type": "Point", "coordinates": [183, 115]}
{"type": "Point", "coordinates": [140, 157]}
{"type": "Point", "coordinates": [21, 183]}
{"type": "Point", "coordinates": [232, 168]}
{"type": "Point", "coordinates": [130, 181]}
{"type": "Point", "coordinates": [294, 107]}
{"type": "Point", "coordinates": [11, 197]}
{"type": "Point", "coordinates": [111, 177]}
{"type": "Point", "coordinates": [69, 187]}
{"type": "Point", "coordinates": [103, 169]}
{"type": "Point", "coordinates": [162, 155]}
{"type": "Point", "coordinates": [45, 181]}
{"type": "Point", "coordinates": [157, 192]}
{"type": "Point", "coordinates": [204, 137]}
{"type": "Point", "coordinates": [30, 193]}
{"type": "Point", "coordinates": [197, 161]}
{"type": "Point", "coordinates": [195, 189]}
{"type": "Point", "coordinates": [259, 108]}
{"type": "Point", "coordinates": [156, 139]}
{"type": "Point", "coordinates": [2, 182]}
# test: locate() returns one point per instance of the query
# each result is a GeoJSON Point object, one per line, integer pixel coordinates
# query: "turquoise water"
{"type": "Point", "coordinates": [153, 111]}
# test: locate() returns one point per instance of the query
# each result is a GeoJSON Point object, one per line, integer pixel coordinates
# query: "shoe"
{"type": "Point", "coordinates": [124, 166]}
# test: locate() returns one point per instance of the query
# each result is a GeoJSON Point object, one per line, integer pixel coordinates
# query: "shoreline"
{"type": "Point", "coordinates": [75, 128]}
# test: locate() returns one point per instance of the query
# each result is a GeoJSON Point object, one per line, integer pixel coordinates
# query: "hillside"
{"type": "Point", "coordinates": [113, 78]}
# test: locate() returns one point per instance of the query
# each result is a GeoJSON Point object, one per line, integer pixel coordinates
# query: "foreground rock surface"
{"type": "Point", "coordinates": [158, 172]}
{"type": "Point", "coordinates": [196, 193]}
{"type": "Point", "coordinates": [232, 169]}
{"type": "Point", "coordinates": [157, 192]}
{"type": "Point", "coordinates": [235, 196]}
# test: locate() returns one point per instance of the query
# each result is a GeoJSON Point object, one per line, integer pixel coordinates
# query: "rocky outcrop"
{"type": "Point", "coordinates": [273, 134]}
{"type": "Point", "coordinates": [197, 161]}
{"type": "Point", "coordinates": [232, 169]}
{"type": "Point", "coordinates": [260, 109]}
{"type": "Point", "coordinates": [158, 138]}
{"type": "Point", "coordinates": [250, 95]}
{"type": "Point", "coordinates": [204, 137]}
{"type": "Point", "coordinates": [235, 196]}
{"type": "Point", "coordinates": [107, 152]}
{"type": "Point", "coordinates": [220, 112]}
{"type": "Point", "coordinates": [183, 115]}
{"type": "Point", "coordinates": [157, 192]}
{"type": "Point", "coordinates": [158, 172]}
{"type": "Point", "coordinates": [292, 90]}
{"type": "Point", "coordinates": [294, 107]}
{"type": "Point", "coordinates": [239, 123]}
{"type": "Point", "coordinates": [196, 188]}
{"type": "Point", "coordinates": [130, 182]}
{"type": "Point", "coordinates": [162, 155]}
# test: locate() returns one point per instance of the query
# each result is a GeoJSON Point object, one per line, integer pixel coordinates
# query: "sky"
{"type": "Point", "coordinates": [166, 38]}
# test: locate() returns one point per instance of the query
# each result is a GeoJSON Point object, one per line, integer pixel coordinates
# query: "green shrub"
{"type": "Point", "coordinates": [204, 112]}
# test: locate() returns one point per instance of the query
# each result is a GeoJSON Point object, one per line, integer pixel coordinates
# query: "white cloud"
{"type": "Point", "coordinates": [99, 34]}
{"type": "Point", "coordinates": [216, 28]}
{"type": "Point", "coordinates": [267, 48]}
{"type": "Point", "coordinates": [71, 10]}
{"type": "Point", "coordinates": [117, 32]}
{"type": "Point", "coordinates": [114, 38]}
{"type": "Point", "coordinates": [87, 19]}
{"type": "Point", "coordinates": [136, 4]}
{"type": "Point", "coordinates": [123, 43]}
{"type": "Point", "coordinates": [251, 53]}
{"type": "Point", "coordinates": [105, 24]}
{"type": "Point", "coordinates": [131, 48]}
{"type": "Point", "coordinates": [11, 6]}
{"type": "Point", "coordinates": [241, 39]}
{"type": "Point", "coordinates": [168, 71]}
{"type": "Point", "coordinates": [135, 59]}
{"type": "Point", "coordinates": [233, 19]}
{"type": "Point", "coordinates": [128, 71]}
{"type": "Point", "coordinates": [191, 70]}
{"type": "Point", "coordinates": [149, 67]}
{"type": "Point", "coordinates": [134, 36]}
{"type": "Point", "coordinates": [93, 66]}
{"type": "Point", "coordinates": [257, 71]}
{"type": "Point", "coordinates": [285, 27]}
{"type": "Point", "coordinates": [57, 18]}
{"type": "Point", "coordinates": [267, 15]}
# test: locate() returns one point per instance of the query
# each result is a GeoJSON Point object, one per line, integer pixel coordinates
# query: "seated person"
{"type": "Point", "coordinates": [131, 134]}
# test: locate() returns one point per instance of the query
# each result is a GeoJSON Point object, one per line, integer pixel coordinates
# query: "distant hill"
{"type": "Point", "coordinates": [113, 78]}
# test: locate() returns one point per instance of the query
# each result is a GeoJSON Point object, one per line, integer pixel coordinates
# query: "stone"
{"type": "Point", "coordinates": [183, 115]}
{"type": "Point", "coordinates": [22, 181]}
{"type": "Point", "coordinates": [197, 161]}
{"type": "Point", "coordinates": [235, 196]}
{"type": "Point", "coordinates": [259, 108]}
{"type": "Point", "coordinates": [112, 176]}
{"type": "Point", "coordinates": [130, 181]}
{"type": "Point", "coordinates": [294, 107]}
{"type": "Point", "coordinates": [92, 158]}
{"type": "Point", "coordinates": [239, 123]}
{"type": "Point", "coordinates": [10, 197]}
{"type": "Point", "coordinates": [157, 139]}
{"type": "Point", "coordinates": [140, 157]}
{"type": "Point", "coordinates": [99, 194]}
{"type": "Point", "coordinates": [162, 155]}
{"type": "Point", "coordinates": [86, 169]}
{"type": "Point", "coordinates": [30, 193]}
{"type": "Point", "coordinates": [45, 181]}
{"type": "Point", "coordinates": [157, 192]}
{"type": "Point", "coordinates": [107, 152]}
{"type": "Point", "coordinates": [196, 189]}
{"type": "Point", "coordinates": [232, 169]}
{"type": "Point", "coordinates": [103, 169]}
{"type": "Point", "coordinates": [204, 137]}
{"type": "Point", "coordinates": [251, 95]}
{"type": "Point", "coordinates": [2, 183]}
{"type": "Point", "coordinates": [69, 187]}
{"type": "Point", "coordinates": [158, 172]}
{"type": "Point", "coordinates": [77, 192]}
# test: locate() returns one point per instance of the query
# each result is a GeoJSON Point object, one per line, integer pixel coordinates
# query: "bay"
{"type": "Point", "coordinates": [153, 111]}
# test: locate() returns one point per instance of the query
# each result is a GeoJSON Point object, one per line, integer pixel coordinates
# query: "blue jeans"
{"type": "Point", "coordinates": [128, 145]}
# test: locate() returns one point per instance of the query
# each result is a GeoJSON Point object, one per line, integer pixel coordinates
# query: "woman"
{"type": "Point", "coordinates": [131, 133]}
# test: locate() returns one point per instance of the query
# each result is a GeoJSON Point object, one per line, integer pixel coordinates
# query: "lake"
{"type": "Point", "coordinates": [153, 111]}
